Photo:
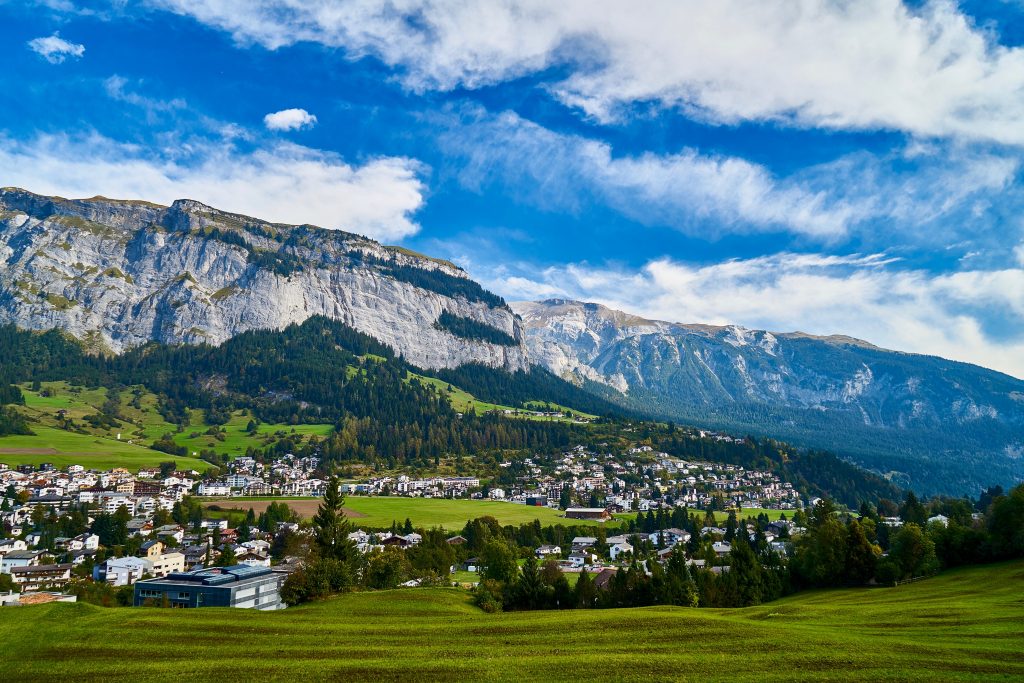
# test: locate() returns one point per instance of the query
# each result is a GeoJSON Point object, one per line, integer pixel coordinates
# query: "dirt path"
{"type": "Point", "coordinates": [28, 451]}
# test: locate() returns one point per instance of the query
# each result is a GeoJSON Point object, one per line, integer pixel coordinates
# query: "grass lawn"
{"type": "Point", "coordinates": [379, 512]}
{"type": "Point", "coordinates": [964, 625]}
{"type": "Point", "coordinates": [63, 448]}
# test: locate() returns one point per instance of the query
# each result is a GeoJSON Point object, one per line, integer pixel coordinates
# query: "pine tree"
{"type": "Point", "coordinates": [330, 526]}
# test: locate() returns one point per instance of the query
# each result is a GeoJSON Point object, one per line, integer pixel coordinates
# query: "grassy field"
{"type": "Point", "coordinates": [62, 448]}
{"type": "Point", "coordinates": [379, 512]}
{"type": "Point", "coordinates": [428, 512]}
{"type": "Point", "coordinates": [462, 401]}
{"type": "Point", "coordinates": [142, 424]}
{"type": "Point", "coordinates": [964, 625]}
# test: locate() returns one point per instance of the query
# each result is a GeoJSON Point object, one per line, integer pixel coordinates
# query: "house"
{"type": "Point", "coordinates": [577, 559]}
{"type": "Point", "coordinates": [547, 551]}
{"type": "Point", "coordinates": [122, 571]}
{"type": "Point", "coordinates": [170, 531]}
{"type": "Point", "coordinates": [669, 537]}
{"type": "Point", "coordinates": [600, 514]}
{"type": "Point", "coordinates": [240, 586]}
{"type": "Point", "coordinates": [11, 544]}
{"type": "Point", "coordinates": [619, 549]}
{"type": "Point", "coordinates": [582, 542]}
{"type": "Point", "coordinates": [151, 549]}
{"type": "Point", "coordinates": [457, 540]}
{"type": "Point", "coordinates": [471, 565]}
{"type": "Point", "coordinates": [19, 558]}
{"type": "Point", "coordinates": [252, 559]}
{"type": "Point", "coordinates": [721, 548]}
{"type": "Point", "coordinates": [168, 563]}
{"type": "Point", "coordinates": [213, 524]}
{"type": "Point", "coordinates": [602, 581]}
{"type": "Point", "coordinates": [41, 576]}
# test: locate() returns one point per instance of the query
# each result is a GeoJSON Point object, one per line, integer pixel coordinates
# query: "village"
{"type": "Point", "coordinates": [148, 530]}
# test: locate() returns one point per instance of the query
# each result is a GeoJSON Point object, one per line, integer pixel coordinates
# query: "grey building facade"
{"type": "Point", "coordinates": [240, 586]}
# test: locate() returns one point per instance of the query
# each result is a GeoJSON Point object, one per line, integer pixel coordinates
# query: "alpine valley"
{"type": "Point", "coordinates": [119, 275]}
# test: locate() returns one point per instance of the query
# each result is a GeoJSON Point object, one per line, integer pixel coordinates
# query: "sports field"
{"type": "Point", "coordinates": [964, 625]}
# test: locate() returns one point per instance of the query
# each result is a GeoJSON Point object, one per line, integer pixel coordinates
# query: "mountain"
{"type": "Point", "coordinates": [117, 274]}
{"type": "Point", "coordinates": [938, 425]}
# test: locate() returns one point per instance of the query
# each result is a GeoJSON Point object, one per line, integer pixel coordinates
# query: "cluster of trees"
{"type": "Point", "coordinates": [435, 280]}
{"type": "Point", "coordinates": [467, 328]}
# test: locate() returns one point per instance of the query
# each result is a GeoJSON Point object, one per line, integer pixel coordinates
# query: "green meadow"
{"type": "Point", "coordinates": [140, 425]}
{"type": "Point", "coordinates": [381, 511]}
{"type": "Point", "coordinates": [463, 401]}
{"type": "Point", "coordinates": [965, 625]}
{"type": "Point", "coordinates": [63, 448]}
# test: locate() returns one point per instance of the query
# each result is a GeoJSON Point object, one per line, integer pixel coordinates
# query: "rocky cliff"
{"type": "Point", "coordinates": [933, 423]}
{"type": "Point", "coordinates": [119, 273]}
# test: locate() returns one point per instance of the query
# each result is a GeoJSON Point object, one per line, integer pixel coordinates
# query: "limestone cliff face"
{"type": "Point", "coordinates": [119, 273]}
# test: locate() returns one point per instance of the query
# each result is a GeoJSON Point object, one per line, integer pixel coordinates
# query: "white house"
{"type": "Point", "coordinates": [619, 549]}
{"type": "Point", "coordinates": [122, 571]}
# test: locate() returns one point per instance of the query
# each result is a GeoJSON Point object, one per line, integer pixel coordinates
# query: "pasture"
{"type": "Point", "coordinates": [966, 624]}
{"type": "Point", "coordinates": [380, 512]}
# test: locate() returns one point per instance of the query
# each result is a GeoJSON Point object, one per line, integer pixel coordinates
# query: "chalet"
{"type": "Point", "coordinates": [547, 551]}
{"type": "Point", "coordinates": [457, 540]}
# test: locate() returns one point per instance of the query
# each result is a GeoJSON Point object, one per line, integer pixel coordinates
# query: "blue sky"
{"type": "Point", "coordinates": [828, 167]}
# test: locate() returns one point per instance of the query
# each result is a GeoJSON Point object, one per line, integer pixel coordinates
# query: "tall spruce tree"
{"type": "Point", "coordinates": [330, 526]}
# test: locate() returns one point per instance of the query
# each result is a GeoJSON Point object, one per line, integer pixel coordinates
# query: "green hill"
{"type": "Point", "coordinates": [964, 625]}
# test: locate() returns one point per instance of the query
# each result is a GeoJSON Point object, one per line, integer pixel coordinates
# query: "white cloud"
{"type": "Point", "coordinates": [55, 49]}
{"type": "Point", "coordinates": [869, 297]}
{"type": "Point", "coordinates": [909, 190]}
{"type": "Point", "coordinates": [282, 182]}
{"type": "Point", "coordinates": [871, 64]}
{"type": "Point", "coordinates": [289, 119]}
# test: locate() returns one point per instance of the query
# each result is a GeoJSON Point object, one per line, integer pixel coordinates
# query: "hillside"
{"type": "Point", "coordinates": [272, 391]}
{"type": "Point", "coordinates": [936, 425]}
{"type": "Point", "coordinates": [120, 273]}
{"type": "Point", "coordinates": [962, 625]}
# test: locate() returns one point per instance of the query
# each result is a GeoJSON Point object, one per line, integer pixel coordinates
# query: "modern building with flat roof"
{"type": "Point", "coordinates": [239, 586]}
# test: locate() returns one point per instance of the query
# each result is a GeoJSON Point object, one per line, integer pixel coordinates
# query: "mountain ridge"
{"type": "Point", "coordinates": [940, 425]}
{"type": "Point", "coordinates": [119, 273]}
